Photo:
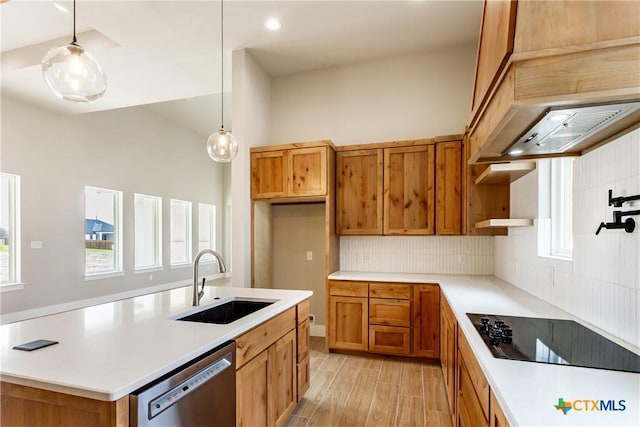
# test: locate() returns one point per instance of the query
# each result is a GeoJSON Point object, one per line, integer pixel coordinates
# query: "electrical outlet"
{"type": "Point", "coordinates": [151, 277]}
{"type": "Point", "coordinates": [309, 256]}
{"type": "Point", "coordinates": [462, 259]}
{"type": "Point", "coordinates": [312, 318]}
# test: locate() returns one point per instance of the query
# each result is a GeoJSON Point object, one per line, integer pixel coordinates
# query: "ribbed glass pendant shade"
{"type": "Point", "coordinates": [222, 146]}
{"type": "Point", "coordinates": [73, 74]}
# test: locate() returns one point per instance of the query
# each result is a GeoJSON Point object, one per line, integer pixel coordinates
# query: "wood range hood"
{"type": "Point", "coordinates": [554, 78]}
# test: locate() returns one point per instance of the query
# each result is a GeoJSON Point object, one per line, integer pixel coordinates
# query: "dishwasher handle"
{"type": "Point", "coordinates": [188, 386]}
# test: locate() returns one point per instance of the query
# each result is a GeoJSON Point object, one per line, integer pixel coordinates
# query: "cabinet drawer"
{"type": "Point", "coordinates": [390, 290]}
{"type": "Point", "coordinates": [349, 289]}
{"type": "Point", "coordinates": [476, 376]}
{"type": "Point", "coordinates": [252, 343]}
{"type": "Point", "coordinates": [304, 377]}
{"type": "Point", "coordinates": [389, 312]}
{"type": "Point", "coordinates": [389, 339]}
{"type": "Point", "coordinates": [302, 311]}
{"type": "Point", "coordinates": [303, 340]}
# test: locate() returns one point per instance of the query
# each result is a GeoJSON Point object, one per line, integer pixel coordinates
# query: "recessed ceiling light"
{"type": "Point", "coordinates": [516, 152]}
{"type": "Point", "coordinates": [60, 7]}
{"type": "Point", "coordinates": [559, 117]}
{"type": "Point", "coordinates": [272, 24]}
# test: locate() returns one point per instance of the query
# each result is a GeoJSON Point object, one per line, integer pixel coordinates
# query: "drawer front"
{"type": "Point", "coordinates": [303, 340]}
{"type": "Point", "coordinates": [252, 343]}
{"type": "Point", "coordinates": [389, 312]}
{"type": "Point", "coordinates": [304, 377]}
{"type": "Point", "coordinates": [390, 290]}
{"type": "Point", "coordinates": [476, 376]}
{"type": "Point", "coordinates": [389, 339]}
{"type": "Point", "coordinates": [302, 311]}
{"type": "Point", "coordinates": [349, 289]}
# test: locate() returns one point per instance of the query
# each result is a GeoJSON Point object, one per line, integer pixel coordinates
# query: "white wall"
{"type": "Point", "coordinates": [407, 97]}
{"type": "Point", "coordinates": [130, 150]}
{"type": "Point", "coordinates": [602, 283]}
{"type": "Point", "coordinates": [251, 126]}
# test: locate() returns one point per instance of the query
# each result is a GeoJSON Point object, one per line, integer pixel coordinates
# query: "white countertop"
{"type": "Point", "coordinates": [109, 350]}
{"type": "Point", "coordinates": [528, 391]}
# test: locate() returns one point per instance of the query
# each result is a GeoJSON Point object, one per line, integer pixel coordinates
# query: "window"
{"type": "Point", "coordinates": [147, 231]}
{"type": "Point", "coordinates": [556, 207]}
{"type": "Point", "coordinates": [562, 207]}
{"type": "Point", "coordinates": [9, 229]}
{"type": "Point", "coordinates": [180, 232]}
{"type": "Point", "coordinates": [206, 226]}
{"type": "Point", "coordinates": [102, 231]}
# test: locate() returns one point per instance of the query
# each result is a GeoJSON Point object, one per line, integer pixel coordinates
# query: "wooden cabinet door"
{"type": "Point", "coordinates": [448, 352]}
{"type": "Point", "coordinates": [269, 174]}
{"type": "Point", "coordinates": [282, 378]}
{"type": "Point", "coordinates": [252, 383]}
{"type": "Point", "coordinates": [307, 172]}
{"type": "Point", "coordinates": [495, 47]}
{"type": "Point", "coordinates": [348, 323]}
{"type": "Point", "coordinates": [449, 187]}
{"type": "Point", "coordinates": [409, 190]}
{"type": "Point", "coordinates": [359, 193]}
{"type": "Point", "coordinates": [497, 416]}
{"type": "Point", "coordinates": [426, 321]}
{"type": "Point", "coordinates": [469, 409]}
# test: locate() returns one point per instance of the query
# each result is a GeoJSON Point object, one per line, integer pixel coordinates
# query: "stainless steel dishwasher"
{"type": "Point", "coordinates": [199, 393]}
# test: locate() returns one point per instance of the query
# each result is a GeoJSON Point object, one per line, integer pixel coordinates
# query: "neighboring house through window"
{"type": "Point", "coordinates": [102, 231]}
{"type": "Point", "coordinates": [9, 229]}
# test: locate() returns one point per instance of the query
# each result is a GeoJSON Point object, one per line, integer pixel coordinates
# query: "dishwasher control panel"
{"type": "Point", "coordinates": [161, 403]}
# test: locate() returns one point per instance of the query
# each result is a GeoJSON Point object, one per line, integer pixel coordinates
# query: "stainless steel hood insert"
{"type": "Point", "coordinates": [561, 129]}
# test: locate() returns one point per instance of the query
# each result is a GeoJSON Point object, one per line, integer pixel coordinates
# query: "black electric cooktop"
{"type": "Point", "coordinates": [561, 342]}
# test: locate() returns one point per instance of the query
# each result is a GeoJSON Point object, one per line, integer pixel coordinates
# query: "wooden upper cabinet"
{"type": "Point", "coordinates": [495, 46]}
{"type": "Point", "coordinates": [449, 187]}
{"type": "Point", "coordinates": [409, 178]}
{"type": "Point", "coordinates": [307, 172]}
{"type": "Point", "coordinates": [290, 172]}
{"type": "Point", "coordinates": [359, 193]}
{"type": "Point", "coordinates": [269, 174]}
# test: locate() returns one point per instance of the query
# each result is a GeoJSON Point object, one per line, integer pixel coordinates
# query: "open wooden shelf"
{"type": "Point", "coordinates": [504, 173]}
{"type": "Point", "coordinates": [504, 222]}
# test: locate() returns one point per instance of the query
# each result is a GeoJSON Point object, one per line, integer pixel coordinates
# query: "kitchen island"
{"type": "Point", "coordinates": [526, 392]}
{"type": "Point", "coordinates": [107, 351]}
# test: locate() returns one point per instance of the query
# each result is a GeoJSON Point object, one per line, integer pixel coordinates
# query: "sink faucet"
{"type": "Point", "coordinates": [221, 268]}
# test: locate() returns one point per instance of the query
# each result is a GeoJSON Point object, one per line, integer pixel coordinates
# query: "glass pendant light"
{"type": "Point", "coordinates": [72, 73]}
{"type": "Point", "coordinates": [222, 145]}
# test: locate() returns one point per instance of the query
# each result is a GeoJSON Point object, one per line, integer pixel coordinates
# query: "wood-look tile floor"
{"type": "Point", "coordinates": [353, 391]}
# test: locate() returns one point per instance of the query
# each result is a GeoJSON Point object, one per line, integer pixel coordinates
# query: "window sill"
{"type": "Point", "coordinates": [176, 266]}
{"type": "Point", "coordinates": [98, 276]}
{"type": "Point", "coordinates": [557, 257]}
{"type": "Point", "coordinates": [10, 287]}
{"type": "Point", "coordinates": [148, 270]}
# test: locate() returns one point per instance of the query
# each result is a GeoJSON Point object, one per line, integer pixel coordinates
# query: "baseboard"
{"type": "Point", "coordinates": [318, 330]}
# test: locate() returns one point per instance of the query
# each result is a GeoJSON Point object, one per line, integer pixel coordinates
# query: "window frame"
{"type": "Point", "coordinates": [555, 211]}
{"type": "Point", "coordinates": [212, 226]}
{"type": "Point", "coordinates": [118, 266]}
{"type": "Point", "coordinates": [188, 233]}
{"type": "Point", "coordinates": [157, 232]}
{"type": "Point", "coordinates": [14, 249]}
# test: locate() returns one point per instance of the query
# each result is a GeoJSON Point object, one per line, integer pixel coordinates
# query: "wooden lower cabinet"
{"type": "Point", "coordinates": [498, 418]}
{"type": "Point", "coordinates": [470, 412]}
{"type": "Point", "coordinates": [348, 323]}
{"type": "Point", "coordinates": [266, 386]}
{"type": "Point", "coordinates": [28, 406]}
{"type": "Point", "coordinates": [390, 339]}
{"type": "Point", "coordinates": [304, 377]}
{"type": "Point", "coordinates": [426, 321]}
{"type": "Point", "coordinates": [448, 352]}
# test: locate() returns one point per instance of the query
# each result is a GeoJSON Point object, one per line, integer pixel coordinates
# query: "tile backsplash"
{"type": "Point", "coordinates": [417, 254]}
{"type": "Point", "coordinates": [602, 283]}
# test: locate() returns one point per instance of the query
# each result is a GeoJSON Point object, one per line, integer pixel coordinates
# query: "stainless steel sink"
{"type": "Point", "coordinates": [227, 312]}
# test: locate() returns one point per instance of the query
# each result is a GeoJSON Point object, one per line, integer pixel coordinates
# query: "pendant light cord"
{"type": "Point", "coordinates": [75, 41]}
{"type": "Point", "coordinates": [221, 63]}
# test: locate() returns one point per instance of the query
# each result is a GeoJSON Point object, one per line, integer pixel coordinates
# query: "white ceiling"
{"type": "Point", "coordinates": [167, 53]}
